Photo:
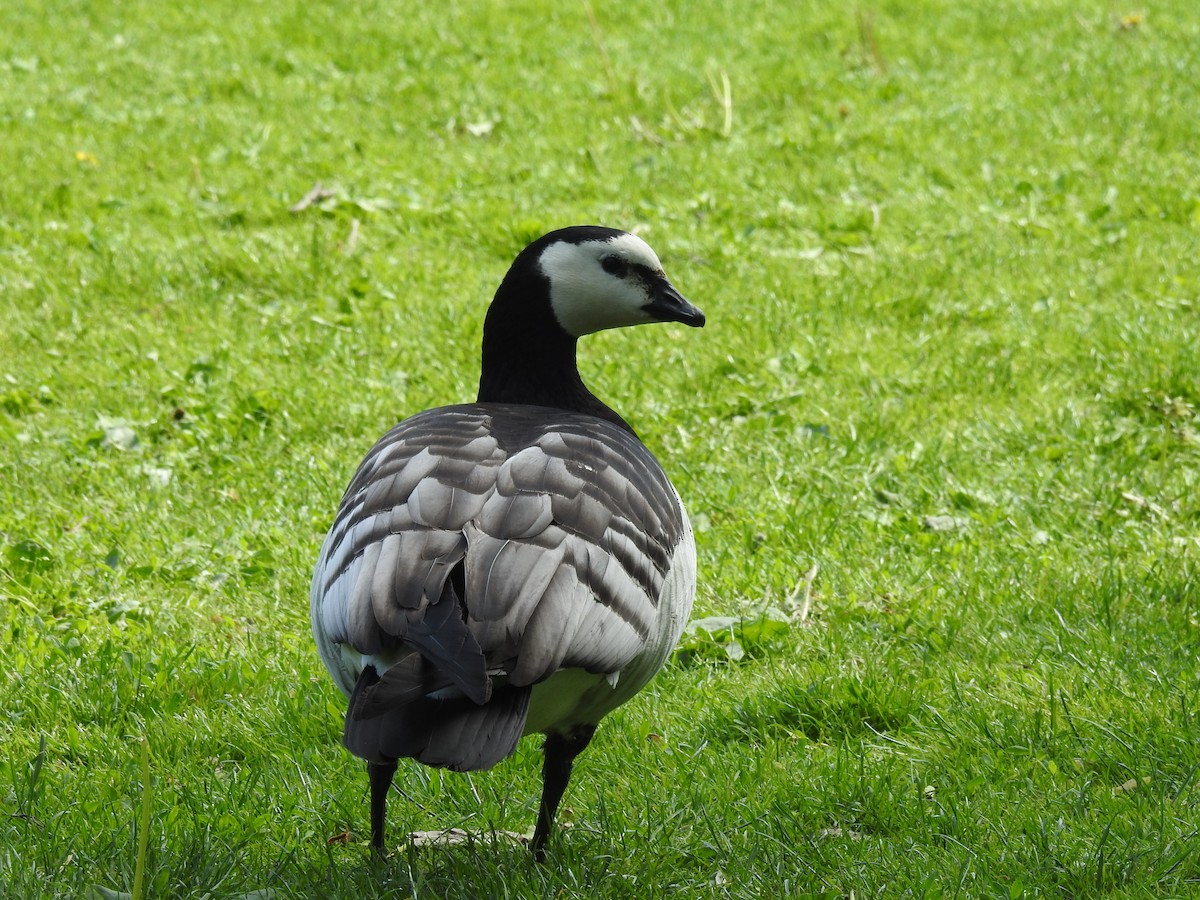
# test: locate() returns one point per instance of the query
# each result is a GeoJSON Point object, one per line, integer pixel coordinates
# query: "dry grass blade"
{"type": "Point", "coordinates": [316, 194]}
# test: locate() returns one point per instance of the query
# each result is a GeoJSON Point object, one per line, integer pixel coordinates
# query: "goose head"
{"type": "Point", "coordinates": [602, 278]}
{"type": "Point", "coordinates": [566, 284]}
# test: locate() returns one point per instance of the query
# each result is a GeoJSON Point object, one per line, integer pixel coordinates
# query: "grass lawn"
{"type": "Point", "coordinates": [950, 257]}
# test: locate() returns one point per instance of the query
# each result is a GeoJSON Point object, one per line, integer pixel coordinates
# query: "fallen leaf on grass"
{"type": "Point", "coordinates": [1128, 787]}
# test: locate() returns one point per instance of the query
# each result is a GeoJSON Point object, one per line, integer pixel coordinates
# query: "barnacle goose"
{"type": "Point", "coordinates": [516, 565]}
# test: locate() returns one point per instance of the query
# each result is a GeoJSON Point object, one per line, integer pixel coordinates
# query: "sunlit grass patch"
{"type": "Point", "coordinates": [948, 258]}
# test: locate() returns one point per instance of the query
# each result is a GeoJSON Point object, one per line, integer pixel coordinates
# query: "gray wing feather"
{"type": "Point", "coordinates": [362, 628]}
{"type": "Point", "coordinates": [607, 639]}
{"type": "Point", "coordinates": [515, 516]}
{"type": "Point", "coordinates": [505, 581]}
{"type": "Point", "coordinates": [552, 627]}
{"type": "Point", "coordinates": [440, 505]}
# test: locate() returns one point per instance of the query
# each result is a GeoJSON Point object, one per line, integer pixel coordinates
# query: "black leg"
{"type": "Point", "coordinates": [560, 752]}
{"type": "Point", "coordinates": [381, 775]}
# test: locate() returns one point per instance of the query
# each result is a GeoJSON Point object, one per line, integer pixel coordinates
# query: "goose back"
{"type": "Point", "coordinates": [487, 548]}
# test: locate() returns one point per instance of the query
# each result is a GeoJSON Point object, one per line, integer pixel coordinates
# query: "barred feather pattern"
{"type": "Point", "coordinates": [489, 546]}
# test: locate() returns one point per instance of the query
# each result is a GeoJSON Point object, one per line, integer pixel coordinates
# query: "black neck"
{"type": "Point", "coordinates": [529, 359]}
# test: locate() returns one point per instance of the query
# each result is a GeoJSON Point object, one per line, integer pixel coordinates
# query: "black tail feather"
{"type": "Point", "coordinates": [455, 733]}
{"type": "Point", "coordinates": [409, 680]}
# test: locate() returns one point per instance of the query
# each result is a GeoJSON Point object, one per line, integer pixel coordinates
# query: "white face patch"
{"type": "Point", "coordinates": [586, 296]}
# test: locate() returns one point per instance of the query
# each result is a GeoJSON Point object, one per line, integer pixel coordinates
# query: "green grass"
{"type": "Point", "coordinates": [949, 256]}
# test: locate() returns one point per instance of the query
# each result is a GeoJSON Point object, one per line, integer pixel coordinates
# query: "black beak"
{"type": "Point", "coordinates": [669, 305]}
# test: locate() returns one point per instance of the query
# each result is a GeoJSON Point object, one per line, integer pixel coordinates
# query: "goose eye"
{"type": "Point", "coordinates": [614, 265]}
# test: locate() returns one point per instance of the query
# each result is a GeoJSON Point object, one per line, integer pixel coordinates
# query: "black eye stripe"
{"type": "Point", "coordinates": [614, 265]}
